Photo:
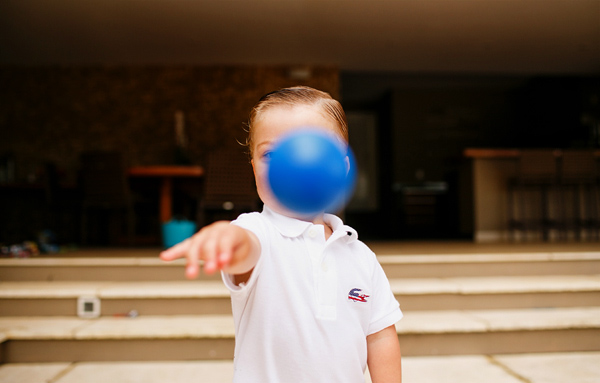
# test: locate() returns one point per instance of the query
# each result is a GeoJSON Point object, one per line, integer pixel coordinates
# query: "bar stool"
{"type": "Point", "coordinates": [579, 193]}
{"type": "Point", "coordinates": [530, 194]}
{"type": "Point", "coordinates": [106, 190]}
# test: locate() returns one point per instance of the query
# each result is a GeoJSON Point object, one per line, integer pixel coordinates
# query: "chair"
{"type": "Point", "coordinates": [63, 205]}
{"type": "Point", "coordinates": [106, 190]}
{"type": "Point", "coordinates": [579, 192]}
{"type": "Point", "coordinates": [530, 194]}
{"type": "Point", "coordinates": [229, 187]}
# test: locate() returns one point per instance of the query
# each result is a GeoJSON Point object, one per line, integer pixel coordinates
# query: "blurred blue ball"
{"type": "Point", "coordinates": [309, 174]}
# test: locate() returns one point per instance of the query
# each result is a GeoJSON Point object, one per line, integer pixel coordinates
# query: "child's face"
{"type": "Point", "coordinates": [274, 123]}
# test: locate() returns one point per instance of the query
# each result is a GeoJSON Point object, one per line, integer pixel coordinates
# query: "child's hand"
{"type": "Point", "coordinates": [221, 246]}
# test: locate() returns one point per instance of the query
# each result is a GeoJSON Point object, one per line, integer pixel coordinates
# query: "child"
{"type": "Point", "coordinates": [310, 302]}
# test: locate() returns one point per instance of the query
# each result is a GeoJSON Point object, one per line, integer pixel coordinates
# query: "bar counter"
{"type": "Point", "coordinates": [503, 153]}
{"type": "Point", "coordinates": [491, 169]}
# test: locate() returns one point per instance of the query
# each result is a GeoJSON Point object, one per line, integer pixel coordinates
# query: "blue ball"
{"type": "Point", "coordinates": [309, 174]}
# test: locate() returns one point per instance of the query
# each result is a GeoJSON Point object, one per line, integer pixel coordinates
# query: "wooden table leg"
{"type": "Point", "coordinates": [165, 199]}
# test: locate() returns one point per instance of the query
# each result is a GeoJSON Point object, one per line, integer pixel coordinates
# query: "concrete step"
{"type": "Point", "coordinates": [581, 367]}
{"type": "Point", "coordinates": [495, 264]}
{"type": "Point", "coordinates": [94, 269]}
{"type": "Point", "coordinates": [211, 297]}
{"type": "Point", "coordinates": [497, 292]}
{"type": "Point", "coordinates": [116, 298]}
{"type": "Point", "coordinates": [211, 337]}
{"type": "Point", "coordinates": [150, 268]}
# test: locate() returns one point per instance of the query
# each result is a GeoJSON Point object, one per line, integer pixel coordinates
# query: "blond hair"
{"type": "Point", "coordinates": [294, 96]}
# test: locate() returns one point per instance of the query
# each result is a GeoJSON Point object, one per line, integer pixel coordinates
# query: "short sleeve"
{"type": "Point", "coordinates": [251, 222]}
{"type": "Point", "coordinates": [386, 309]}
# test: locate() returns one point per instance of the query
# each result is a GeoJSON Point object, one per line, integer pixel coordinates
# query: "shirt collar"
{"type": "Point", "coordinates": [339, 229]}
{"type": "Point", "coordinates": [287, 226]}
{"type": "Point", "coordinates": [292, 227]}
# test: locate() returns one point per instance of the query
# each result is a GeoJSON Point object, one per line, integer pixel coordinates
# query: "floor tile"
{"type": "Point", "coordinates": [581, 367]}
{"type": "Point", "coordinates": [150, 372]}
{"type": "Point", "coordinates": [454, 369]}
{"type": "Point", "coordinates": [31, 373]}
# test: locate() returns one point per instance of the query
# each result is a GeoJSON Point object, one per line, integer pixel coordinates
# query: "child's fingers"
{"type": "Point", "coordinates": [209, 254]}
{"type": "Point", "coordinates": [175, 252]}
{"type": "Point", "coordinates": [193, 254]}
{"type": "Point", "coordinates": [192, 270]}
{"type": "Point", "coordinates": [238, 250]}
{"type": "Point", "coordinates": [226, 248]}
{"type": "Point", "coordinates": [186, 250]}
{"type": "Point", "coordinates": [214, 245]}
{"type": "Point", "coordinates": [224, 259]}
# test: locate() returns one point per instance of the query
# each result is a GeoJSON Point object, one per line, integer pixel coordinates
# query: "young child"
{"type": "Point", "coordinates": [310, 302]}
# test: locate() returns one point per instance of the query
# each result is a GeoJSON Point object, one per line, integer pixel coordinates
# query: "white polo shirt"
{"type": "Point", "coordinates": [305, 313]}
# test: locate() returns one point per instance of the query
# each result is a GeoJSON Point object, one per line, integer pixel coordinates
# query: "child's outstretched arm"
{"type": "Point", "coordinates": [383, 356]}
{"type": "Point", "coordinates": [221, 246]}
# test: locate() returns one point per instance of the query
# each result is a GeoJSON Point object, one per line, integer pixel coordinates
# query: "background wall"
{"type": "Point", "coordinates": [55, 113]}
{"type": "Point", "coordinates": [422, 123]}
{"type": "Point", "coordinates": [51, 114]}
{"type": "Point", "coordinates": [426, 121]}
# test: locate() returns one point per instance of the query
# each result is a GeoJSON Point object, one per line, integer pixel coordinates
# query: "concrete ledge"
{"type": "Point", "coordinates": [34, 298]}
{"type": "Point", "coordinates": [113, 290]}
{"type": "Point", "coordinates": [97, 350]}
{"type": "Point", "coordinates": [499, 320]}
{"type": "Point", "coordinates": [148, 327]}
{"type": "Point", "coordinates": [396, 266]}
{"type": "Point", "coordinates": [216, 289]}
{"type": "Point", "coordinates": [494, 257]}
{"type": "Point", "coordinates": [154, 261]}
{"type": "Point", "coordinates": [221, 326]}
{"type": "Point", "coordinates": [88, 262]}
{"type": "Point", "coordinates": [94, 269]}
{"type": "Point", "coordinates": [473, 265]}
{"type": "Point", "coordinates": [494, 285]}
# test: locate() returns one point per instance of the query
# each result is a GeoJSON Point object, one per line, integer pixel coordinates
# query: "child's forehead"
{"type": "Point", "coordinates": [291, 116]}
{"type": "Point", "coordinates": [293, 110]}
{"type": "Point", "coordinates": [272, 123]}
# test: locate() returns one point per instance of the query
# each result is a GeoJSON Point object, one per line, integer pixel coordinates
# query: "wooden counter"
{"type": "Point", "coordinates": [504, 153]}
{"type": "Point", "coordinates": [491, 153]}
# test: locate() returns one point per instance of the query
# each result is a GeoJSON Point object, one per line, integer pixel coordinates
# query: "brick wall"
{"type": "Point", "coordinates": [52, 114]}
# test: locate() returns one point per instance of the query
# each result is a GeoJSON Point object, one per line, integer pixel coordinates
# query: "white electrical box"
{"type": "Point", "coordinates": [88, 307]}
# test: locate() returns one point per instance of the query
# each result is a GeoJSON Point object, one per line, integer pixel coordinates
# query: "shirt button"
{"type": "Point", "coordinates": [312, 233]}
{"type": "Point", "coordinates": [324, 267]}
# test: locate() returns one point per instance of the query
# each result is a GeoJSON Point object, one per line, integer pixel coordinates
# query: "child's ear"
{"type": "Point", "coordinates": [253, 170]}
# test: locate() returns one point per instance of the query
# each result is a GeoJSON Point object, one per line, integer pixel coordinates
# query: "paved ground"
{"type": "Point", "coordinates": [525, 368]}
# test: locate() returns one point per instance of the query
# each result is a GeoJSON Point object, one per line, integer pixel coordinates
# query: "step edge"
{"type": "Point", "coordinates": [471, 321]}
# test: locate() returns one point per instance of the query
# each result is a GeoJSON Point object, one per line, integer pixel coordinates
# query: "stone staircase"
{"type": "Point", "coordinates": [458, 304]}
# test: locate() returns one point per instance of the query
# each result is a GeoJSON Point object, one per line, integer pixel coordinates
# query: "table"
{"type": "Point", "coordinates": [166, 173]}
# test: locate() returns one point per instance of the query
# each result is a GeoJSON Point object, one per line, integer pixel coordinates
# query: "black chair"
{"type": "Point", "coordinates": [579, 193]}
{"type": "Point", "coordinates": [63, 205]}
{"type": "Point", "coordinates": [229, 187]}
{"type": "Point", "coordinates": [532, 195]}
{"type": "Point", "coordinates": [106, 195]}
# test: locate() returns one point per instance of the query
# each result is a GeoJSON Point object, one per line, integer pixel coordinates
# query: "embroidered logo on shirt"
{"type": "Point", "coordinates": [356, 296]}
